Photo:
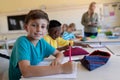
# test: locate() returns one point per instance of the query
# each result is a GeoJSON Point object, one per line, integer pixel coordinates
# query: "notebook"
{"type": "Point", "coordinates": [65, 76]}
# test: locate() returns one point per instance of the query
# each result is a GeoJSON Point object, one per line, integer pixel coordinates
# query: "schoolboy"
{"type": "Point", "coordinates": [53, 37]}
{"type": "Point", "coordinates": [30, 50]}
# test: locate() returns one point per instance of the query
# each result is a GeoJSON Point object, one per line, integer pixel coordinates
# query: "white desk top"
{"type": "Point", "coordinates": [4, 51]}
{"type": "Point", "coordinates": [102, 49]}
{"type": "Point", "coordinates": [102, 39]}
{"type": "Point", "coordinates": [58, 76]}
{"type": "Point", "coordinates": [8, 41]}
{"type": "Point", "coordinates": [105, 39]}
{"type": "Point", "coordinates": [115, 49]}
{"type": "Point", "coordinates": [109, 71]}
{"type": "Point", "coordinates": [93, 40]}
{"type": "Point", "coordinates": [2, 42]}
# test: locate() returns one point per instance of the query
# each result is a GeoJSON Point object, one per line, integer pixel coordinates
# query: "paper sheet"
{"type": "Point", "coordinates": [73, 75]}
{"type": "Point", "coordinates": [115, 49]}
{"type": "Point", "coordinates": [97, 46]}
{"type": "Point", "coordinates": [47, 62]}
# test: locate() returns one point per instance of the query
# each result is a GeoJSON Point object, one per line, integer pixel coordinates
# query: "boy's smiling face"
{"type": "Point", "coordinates": [70, 29]}
{"type": "Point", "coordinates": [58, 32]}
{"type": "Point", "coordinates": [36, 28]}
{"type": "Point", "coordinates": [55, 32]}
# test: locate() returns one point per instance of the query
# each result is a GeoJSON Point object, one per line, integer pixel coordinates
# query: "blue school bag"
{"type": "Point", "coordinates": [95, 59]}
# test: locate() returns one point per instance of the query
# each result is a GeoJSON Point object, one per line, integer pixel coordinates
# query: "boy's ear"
{"type": "Point", "coordinates": [55, 31]}
{"type": "Point", "coordinates": [25, 27]}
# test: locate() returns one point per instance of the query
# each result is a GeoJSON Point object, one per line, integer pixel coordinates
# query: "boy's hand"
{"type": "Point", "coordinates": [65, 47]}
{"type": "Point", "coordinates": [67, 67]}
{"type": "Point", "coordinates": [55, 62]}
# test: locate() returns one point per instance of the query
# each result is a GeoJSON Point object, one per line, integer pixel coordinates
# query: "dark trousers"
{"type": "Point", "coordinates": [87, 34]}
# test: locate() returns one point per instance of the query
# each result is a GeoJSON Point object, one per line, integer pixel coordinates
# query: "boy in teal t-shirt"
{"type": "Point", "coordinates": [30, 50]}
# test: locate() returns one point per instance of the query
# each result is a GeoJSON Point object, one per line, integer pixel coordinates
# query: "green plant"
{"type": "Point", "coordinates": [108, 33]}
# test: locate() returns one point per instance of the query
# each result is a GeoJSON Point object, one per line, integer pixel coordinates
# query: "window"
{"type": "Point", "coordinates": [16, 22]}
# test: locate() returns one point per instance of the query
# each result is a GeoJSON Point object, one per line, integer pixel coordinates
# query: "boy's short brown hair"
{"type": "Point", "coordinates": [36, 14]}
{"type": "Point", "coordinates": [72, 25]}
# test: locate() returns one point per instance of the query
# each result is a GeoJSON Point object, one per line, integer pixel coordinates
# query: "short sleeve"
{"type": "Point", "coordinates": [49, 50]}
{"type": "Point", "coordinates": [22, 50]}
{"type": "Point", "coordinates": [65, 36]}
{"type": "Point", "coordinates": [46, 38]}
{"type": "Point", "coordinates": [62, 42]}
{"type": "Point", "coordinates": [73, 36]}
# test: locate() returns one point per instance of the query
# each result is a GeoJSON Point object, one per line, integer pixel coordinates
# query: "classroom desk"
{"type": "Point", "coordinates": [103, 41]}
{"type": "Point", "coordinates": [2, 43]}
{"type": "Point", "coordinates": [106, 41]}
{"type": "Point", "coordinates": [109, 71]}
{"type": "Point", "coordinates": [114, 49]}
{"type": "Point", "coordinates": [4, 51]}
{"type": "Point", "coordinates": [7, 42]}
{"type": "Point", "coordinates": [102, 49]}
{"type": "Point", "coordinates": [93, 41]}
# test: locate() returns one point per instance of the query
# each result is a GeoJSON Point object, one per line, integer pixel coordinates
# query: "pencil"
{"type": "Point", "coordinates": [70, 52]}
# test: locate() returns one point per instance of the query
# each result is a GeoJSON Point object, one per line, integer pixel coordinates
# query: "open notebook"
{"type": "Point", "coordinates": [47, 62]}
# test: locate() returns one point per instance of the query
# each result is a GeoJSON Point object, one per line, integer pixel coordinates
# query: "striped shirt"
{"type": "Point", "coordinates": [68, 36]}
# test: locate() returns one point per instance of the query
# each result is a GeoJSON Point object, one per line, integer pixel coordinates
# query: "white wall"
{"type": "Point", "coordinates": [3, 24]}
{"type": "Point", "coordinates": [64, 15]}
{"type": "Point", "coordinates": [73, 14]}
{"type": "Point", "coordinates": [109, 20]}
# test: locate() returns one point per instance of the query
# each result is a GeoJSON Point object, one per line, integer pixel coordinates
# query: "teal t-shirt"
{"type": "Point", "coordinates": [24, 50]}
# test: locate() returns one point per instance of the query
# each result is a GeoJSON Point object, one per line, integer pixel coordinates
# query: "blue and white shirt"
{"type": "Point", "coordinates": [68, 36]}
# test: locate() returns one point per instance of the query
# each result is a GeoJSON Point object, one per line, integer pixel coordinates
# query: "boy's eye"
{"type": "Point", "coordinates": [34, 25]}
{"type": "Point", "coordinates": [42, 26]}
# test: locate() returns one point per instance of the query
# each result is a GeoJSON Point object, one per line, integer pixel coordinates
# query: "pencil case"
{"type": "Point", "coordinates": [95, 59]}
{"type": "Point", "coordinates": [75, 51]}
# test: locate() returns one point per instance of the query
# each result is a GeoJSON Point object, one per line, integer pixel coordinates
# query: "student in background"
{"type": "Point", "coordinates": [90, 21]}
{"type": "Point", "coordinates": [30, 50]}
{"type": "Point", "coordinates": [73, 25]}
{"type": "Point", "coordinates": [68, 34]}
{"type": "Point", "coordinates": [53, 37]}
{"type": "Point", "coordinates": [64, 28]}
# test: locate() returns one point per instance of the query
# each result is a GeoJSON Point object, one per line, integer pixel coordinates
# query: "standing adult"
{"type": "Point", "coordinates": [90, 21]}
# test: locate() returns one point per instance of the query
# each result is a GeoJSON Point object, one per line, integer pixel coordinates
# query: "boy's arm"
{"type": "Point", "coordinates": [64, 44]}
{"type": "Point", "coordinates": [81, 44]}
{"type": "Point", "coordinates": [31, 71]}
{"type": "Point", "coordinates": [28, 71]}
{"type": "Point", "coordinates": [59, 57]}
{"type": "Point", "coordinates": [63, 48]}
